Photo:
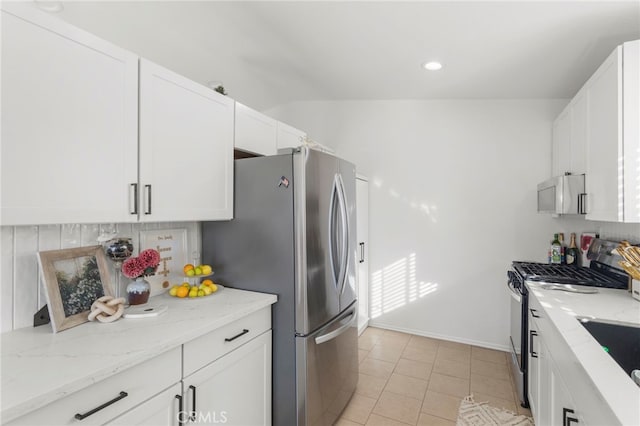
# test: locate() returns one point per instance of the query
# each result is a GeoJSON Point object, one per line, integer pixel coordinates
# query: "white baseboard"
{"type": "Point", "coordinates": [362, 326]}
{"type": "Point", "coordinates": [504, 348]}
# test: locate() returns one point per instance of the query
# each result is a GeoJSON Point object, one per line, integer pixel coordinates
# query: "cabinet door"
{"type": "Point", "coordinates": [604, 177]}
{"type": "Point", "coordinates": [578, 132]}
{"type": "Point", "coordinates": [362, 208]}
{"type": "Point", "coordinates": [289, 137]}
{"type": "Point", "coordinates": [545, 396]}
{"type": "Point", "coordinates": [186, 149]}
{"type": "Point", "coordinates": [561, 143]}
{"type": "Point", "coordinates": [562, 405]}
{"type": "Point", "coordinates": [631, 107]}
{"type": "Point", "coordinates": [164, 409]}
{"type": "Point", "coordinates": [255, 132]}
{"type": "Point", "coordinates": [69, 122]}
{"type": "Point", "coordinates": [533, 369]}
{"type": "Point", "coordinates": [235, 389]}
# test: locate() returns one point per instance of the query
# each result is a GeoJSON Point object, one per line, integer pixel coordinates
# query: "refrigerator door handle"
{"type": "Point", "coordinates": [337, 332]}
{"type": "Point", "coordinates": [344, 262]}
{"type": "Point", "coordinates": [332, 231]}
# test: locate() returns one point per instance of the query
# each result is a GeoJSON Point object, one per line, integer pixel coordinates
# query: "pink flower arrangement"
{"type": "Point", "coordinates": [142, 266]}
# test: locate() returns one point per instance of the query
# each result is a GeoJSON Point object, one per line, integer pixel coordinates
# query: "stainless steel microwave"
{"type": "Point", "coordinates": [562, 195]}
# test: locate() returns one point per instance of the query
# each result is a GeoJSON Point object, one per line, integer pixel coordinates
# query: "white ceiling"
{"type": "Point", "coordinates": [271, 53]}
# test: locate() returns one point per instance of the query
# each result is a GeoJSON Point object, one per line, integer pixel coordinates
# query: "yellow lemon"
{"type": "Point", "coordinates": [207, 290]}
{"type": "Point", "coordinates": [185, 284]}
{"type": "Point", "coordinates": [206, 269]}
{"type": "Point", "coordinates": [174, 290]}
{"type": "Point", "coordinates": [193, 292]}
{"type": "Point", "coordinates": [214, 288]}
{"type": "Point", "coordinates": [201, 293]}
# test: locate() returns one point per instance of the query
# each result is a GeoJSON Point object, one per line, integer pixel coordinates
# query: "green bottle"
{"type": "Point", "coordinates": [556, 250]}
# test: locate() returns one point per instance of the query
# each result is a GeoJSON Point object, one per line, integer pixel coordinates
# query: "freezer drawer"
{"type": "Point", "coordinates": [327, 370]}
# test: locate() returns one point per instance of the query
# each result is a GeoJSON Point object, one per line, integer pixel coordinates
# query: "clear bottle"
{"type": "Point", "coordinates": [573, 254]}
{"type": "Point", "coordinates": [556, 250]}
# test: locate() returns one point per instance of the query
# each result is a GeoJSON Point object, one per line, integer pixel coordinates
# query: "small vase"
{"type": "Point", "coordinates": [138, 291]}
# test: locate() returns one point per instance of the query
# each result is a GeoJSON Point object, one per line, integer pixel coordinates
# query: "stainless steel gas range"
{"type": "Point", "coordinates": [602, 272]}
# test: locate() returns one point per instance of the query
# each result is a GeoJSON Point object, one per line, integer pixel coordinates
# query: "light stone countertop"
{"type": "Point", "coordinates": [562, 308]}
{"type": "Point", "coordinates": [39, 367]}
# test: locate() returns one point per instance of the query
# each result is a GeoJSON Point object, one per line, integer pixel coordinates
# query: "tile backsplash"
{"type": "Point", "coordinates": [21, 292]}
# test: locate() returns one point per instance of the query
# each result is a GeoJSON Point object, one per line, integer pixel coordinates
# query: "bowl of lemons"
{"type": "Point", "coordinates": [189, 291]}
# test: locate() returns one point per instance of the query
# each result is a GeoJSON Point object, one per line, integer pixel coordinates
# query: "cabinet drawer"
{"type": "Point", "coordinates": [203, 350]}
{"type": "Point", "coordinates": [139, 382]}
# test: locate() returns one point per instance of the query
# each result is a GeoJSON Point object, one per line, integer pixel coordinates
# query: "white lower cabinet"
{"type": "Point", "coordinates": [235, 389]}
{"type": "Point", "coordinates": [222, 377]}
{"type": "Point", "coordinates": [166, 408]}
{"type": "Point", "coordinates": [111, 397]}
{"type": "Point", "coordinates": [560, 392]}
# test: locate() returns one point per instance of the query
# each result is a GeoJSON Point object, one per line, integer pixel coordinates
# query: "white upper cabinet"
{"type": "Point", "coordinates": [186, 149]}
{"type": "Point", "coordinates": [561, 151]}
{"type": "Point", "coordinates": [289, 137]}
{"type": "Point", "coordinates": [570, 138]}
{"type": "Point", "coordinates": [69, 122]}
{"type": "Point", "coordinates": [255, 133]}
{"type": "Point", "coordinates": [613, 142]}
{"type": "Point", "coordinates": [92, 134]}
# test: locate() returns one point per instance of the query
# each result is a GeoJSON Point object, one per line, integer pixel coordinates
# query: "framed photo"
{"type": "Point", "coordinates": [73, 279]}
{"type": "Point", "coordinates": [172, 246]}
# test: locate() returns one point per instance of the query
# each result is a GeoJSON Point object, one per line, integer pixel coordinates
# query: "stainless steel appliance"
{"type": "Point", "coordinates": [562, 195]}
{"type": "Point", "coordinates": [602, 272]}
{"type": "Point", "coordinates": [293, 234]}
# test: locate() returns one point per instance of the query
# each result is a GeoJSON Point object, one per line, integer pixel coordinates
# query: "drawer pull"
{"type": "Point", "coordinates": [192, 417]}
{"type": "Point", "coordinates": [79, 416]}
{"type": "Point", "coordinates": [533, 353]}
{"type": "Point", "coordinates": [231, 339]}
{"type": "Point", "coordinates": [180, 409]}
{"type": "Point", "coordinates": [566, 420]}
{"type": "Point", "coordinates": [533, 313]}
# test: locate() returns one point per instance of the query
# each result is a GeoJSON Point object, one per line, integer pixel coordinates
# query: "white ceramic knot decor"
{"type": "Point", "coordinates": [107, 309]}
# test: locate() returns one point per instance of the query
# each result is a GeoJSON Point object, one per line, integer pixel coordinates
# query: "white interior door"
{"type": "Point", "coordinates": [362, 261]}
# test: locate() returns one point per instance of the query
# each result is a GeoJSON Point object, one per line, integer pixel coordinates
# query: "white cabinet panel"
{"type": "Point", "coordinates": [613, 140]}
{"type": "Point", "coordinates": [561, 151]}
{"type": "Point", "coordinates": [69, 122]}
{"type": "Point", "coordinates": [235, 389]}
{"type": "Point", "coordinates": [603, 179]}
{"type": "Point", "coordinates": [362, 272]}
{"type": "Point", "coordinates": [163, 409]}
{"type": "Point", "coordinates": [289, 137]}
{"type": "Point", "coordinates": [578, 133]}
{"type": "Point", "coordinates": [186, 149]}
{"type": "Point", "coordinates": [110, 397]}
{"type": "Point", "coordinates": [255, 132]}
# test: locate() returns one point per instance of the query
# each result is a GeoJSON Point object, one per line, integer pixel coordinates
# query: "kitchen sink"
{"type": "Point", "coordinates": [621, 341]}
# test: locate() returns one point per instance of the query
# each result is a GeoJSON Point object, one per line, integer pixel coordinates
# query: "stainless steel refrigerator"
{"type": "Point", "coordinates": [293, 234]}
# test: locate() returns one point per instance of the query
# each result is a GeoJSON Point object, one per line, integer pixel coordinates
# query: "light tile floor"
{"type": "Point", "coordinates": [414, 380]}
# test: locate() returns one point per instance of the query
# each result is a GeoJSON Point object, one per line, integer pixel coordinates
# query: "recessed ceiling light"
{"type": "Point", "coordinates": [432, 66]}
{"type": "Point", "coordinates": [49, 6]}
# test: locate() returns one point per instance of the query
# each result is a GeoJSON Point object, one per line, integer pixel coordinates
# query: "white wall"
{"type": "Point", "coordinates": [21, 292]}
{"type": "Point", "coordinates": [452, 203]}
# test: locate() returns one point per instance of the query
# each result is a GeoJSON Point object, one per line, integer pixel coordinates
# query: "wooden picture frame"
{"type": "Point", "coordinates": [73, 279]}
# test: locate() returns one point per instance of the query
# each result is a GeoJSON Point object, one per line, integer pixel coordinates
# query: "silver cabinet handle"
{"type": "Point", "coordinates": [147, 189]}
{"type": "Point", "coordinates": [133, 197]}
